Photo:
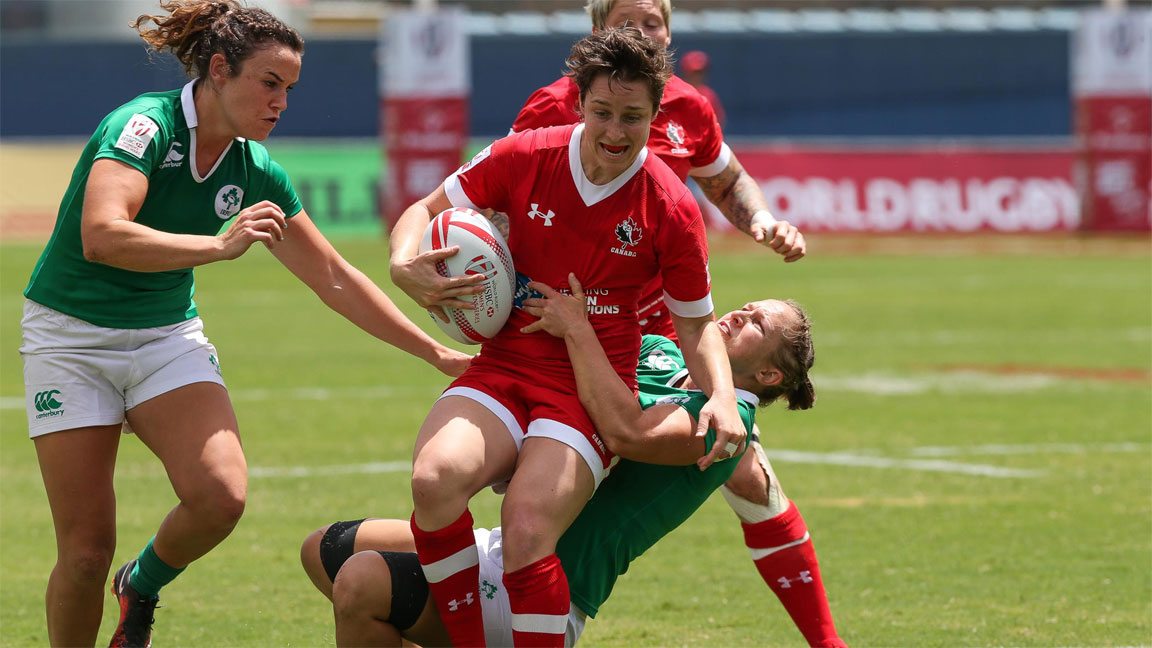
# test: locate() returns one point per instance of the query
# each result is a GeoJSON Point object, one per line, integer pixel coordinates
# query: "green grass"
{"type": "Point", "coordinates": [1046, 355]}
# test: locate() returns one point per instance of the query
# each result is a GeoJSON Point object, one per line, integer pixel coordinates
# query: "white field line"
{"type": "Point", "coordinates": [324, 471]}
{"type": "Point", "coordinates": [1028, 449]}
{"type": "Point", "coordinates": [775, 454]}
{"type": "Point", "coordinates": [879, 384]}
{"type": "Point", "coordinates": [919, 465]}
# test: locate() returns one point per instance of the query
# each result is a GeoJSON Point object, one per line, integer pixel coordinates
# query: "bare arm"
{"type": "Point", "coordinates": [346, 290]}
{"type": "Point", "coordinates": [661, 434]}
{"type": "Point", "coordinates": [738, 196]}
{"type": "Point", "coordinates": [416, 273]}
{"type": "Point", "coordinates": [707, 362]}
{"type": "Point", "coordinates": [113, 197]}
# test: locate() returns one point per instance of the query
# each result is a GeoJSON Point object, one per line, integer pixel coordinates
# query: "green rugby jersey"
{"type": "Point", "coordinates": [154, 133]}
{"type": "Point", "coordinates": [638, 503]}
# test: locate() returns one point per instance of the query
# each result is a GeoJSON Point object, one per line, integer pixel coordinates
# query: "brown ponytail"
{"type": "Point", "coordinates": [194, 30]}
{"type": "Point", "coordinates": [794, 358]}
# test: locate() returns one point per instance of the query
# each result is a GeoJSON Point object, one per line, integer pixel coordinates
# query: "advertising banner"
{"type": "Point", "coordinates": [917, 190]}
{"type": "Point", "coordinates": [1112, 83]}
{"type": "Point", "coordinates": [424, 89]}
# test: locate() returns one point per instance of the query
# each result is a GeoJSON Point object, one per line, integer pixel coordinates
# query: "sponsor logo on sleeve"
{"type": "Point", "coordinates": [476, 159]}
{"type": "Point", "coordinates": [675, 134]}
{"type": "Point", "coordinates": [137, 134]}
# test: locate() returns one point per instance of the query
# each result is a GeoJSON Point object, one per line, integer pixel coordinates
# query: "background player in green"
{"type": "Point", "coordinates": [381, 597]}
{"type": "Point", "coordinates": [110, 329]}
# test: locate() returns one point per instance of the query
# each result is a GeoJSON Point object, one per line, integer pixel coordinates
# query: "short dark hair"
{"type": "Point", "coordinates": [625, 55]}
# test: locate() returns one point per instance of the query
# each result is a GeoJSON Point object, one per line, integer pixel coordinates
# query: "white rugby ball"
{"type": "Point", "coordinates": [482, 251]}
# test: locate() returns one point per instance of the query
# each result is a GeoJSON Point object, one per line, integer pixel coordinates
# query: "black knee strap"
{"type": "Point", "coordinates": [338, 545]}
{"type": "Point", "coordinates": [409, 588]}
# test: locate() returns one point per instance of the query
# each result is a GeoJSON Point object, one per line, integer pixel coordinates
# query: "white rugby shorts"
{"type": "Point", "coordinates": [494, 598]}
{"type": "Point", "coordinates": [77, 374]}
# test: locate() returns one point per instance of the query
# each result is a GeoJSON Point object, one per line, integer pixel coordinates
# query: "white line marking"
{"type": "Point", "coordinates": [323, 471]}
{"type": "Point", "coordinates": [785, 456]}
{"type": "Point", "coordinates": [1027, 449]}
{"type": "Point", "coordinates": [878, 384]}
{"type": "Point", "coordinates": [925, 465]}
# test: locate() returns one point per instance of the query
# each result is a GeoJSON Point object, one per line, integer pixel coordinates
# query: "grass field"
{"type": "Point", "coordinates": [977, 470]}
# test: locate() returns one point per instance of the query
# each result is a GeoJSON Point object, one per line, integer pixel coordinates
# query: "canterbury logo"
{"type": "Point", "coordinates": [46, 400]}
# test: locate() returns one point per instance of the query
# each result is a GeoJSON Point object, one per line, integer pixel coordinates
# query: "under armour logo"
{"type": "Point", "coordinates": [536, 212]}
{"type": "Point", "coordinates": [785, 583]}
{"type": "Point", "coordinates": [454, 605]}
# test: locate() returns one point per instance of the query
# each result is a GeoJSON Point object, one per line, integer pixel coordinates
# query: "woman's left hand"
{"type": "Point", "coordinates": [559, 313]}
{"type": "Point", "coordinates": [451, 362]}
{"type": "Point", "coordinates": [720, 414]}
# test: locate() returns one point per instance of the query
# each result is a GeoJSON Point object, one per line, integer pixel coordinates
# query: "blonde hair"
{"type": "Point", "coordinates": [598, 10]}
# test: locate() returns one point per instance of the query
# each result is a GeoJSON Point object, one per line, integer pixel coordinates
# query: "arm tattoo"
{"type": "Point", "coordinates": [735, 193]}
{"type": "Point", "coordinates": [500, 221]}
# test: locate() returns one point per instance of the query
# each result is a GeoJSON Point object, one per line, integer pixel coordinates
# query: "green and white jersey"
{"type": "Point", "coordinates": [638, 503]}
{"type": "Point", "coordinates": [154, 133]}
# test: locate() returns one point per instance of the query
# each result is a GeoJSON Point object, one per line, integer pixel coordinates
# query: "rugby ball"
{"type": "Point", "coordinates": [482, 251]}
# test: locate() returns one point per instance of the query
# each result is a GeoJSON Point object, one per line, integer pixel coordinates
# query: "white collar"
{"type": "Point", "coordinates": [748, 397]}
{"type": "Point", "coordinates": [188, 103]}
{"type": "Point", "coordinates": [593, 193]}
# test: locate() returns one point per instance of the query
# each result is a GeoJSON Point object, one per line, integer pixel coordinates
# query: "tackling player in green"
{"type": "Point", "coordinates": [377, 587]}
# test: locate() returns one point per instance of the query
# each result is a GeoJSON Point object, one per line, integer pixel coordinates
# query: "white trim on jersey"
{"type": "Point", "coordinates": [573, 438]}
{"type": "Point", "coordinates": [452, 565]}
{"type": "Point", "coordinates": [188, 103]}
{"type": "Point", "coordinates": [494, 406]}
{"type": "Point", "coordinates": [541, 623]}
{"type": "Point", "coordinates": [698, 308]}
{"type": "Point", "coordinates": [716, 166]}
{"type": "Point", "coordinates": [456, 194]}
{"type": "Point", "coordinates": [593, 193]}
{"type": "Point", "coordinates": [748, 397]}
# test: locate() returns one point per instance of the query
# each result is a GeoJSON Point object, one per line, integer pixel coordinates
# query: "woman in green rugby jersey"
{"type": "Point", "coordinates": [111, 336]}
{"type": "Point", "coordinates": [380, 593]}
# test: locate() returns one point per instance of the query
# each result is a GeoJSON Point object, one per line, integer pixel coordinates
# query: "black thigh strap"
{"type": "Point", "coordinates": [409, 588]}
{"type": "Point", "coordinates": [338, 545]}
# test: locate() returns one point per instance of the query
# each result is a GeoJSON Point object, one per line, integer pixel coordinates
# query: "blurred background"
{"type": "Point", "coordinates": [870, 116]}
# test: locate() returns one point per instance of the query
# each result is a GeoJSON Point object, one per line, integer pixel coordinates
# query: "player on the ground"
{"type": "Point", "coordinates": [379, 597]}
{"type": "Point", "coordinates": [588, 198]}
{"type": "Point", "coordinates": [686, 135]}
{"type": "Point", "coordinates": [110, 330]}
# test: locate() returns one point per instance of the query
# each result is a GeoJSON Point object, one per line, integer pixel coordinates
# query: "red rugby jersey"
{"type": "Point", "coordinates": [616, 238]}
{"type": "Point", "coordinates": [685, 134]}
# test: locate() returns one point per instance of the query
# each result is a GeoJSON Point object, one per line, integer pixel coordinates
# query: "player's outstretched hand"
{"type": "Point", "coordinates": [420, 280]}
{"type": "Point", "coordinates": [559, 313]}
{"type": "Point", "coordinates": [452, 362]}
{"type": "Point", "coordinates": [263, 222]}
{"type": "Point", "coordinates": [720, 414]}
{"type": "Point", "coordinates": [783, 237]}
